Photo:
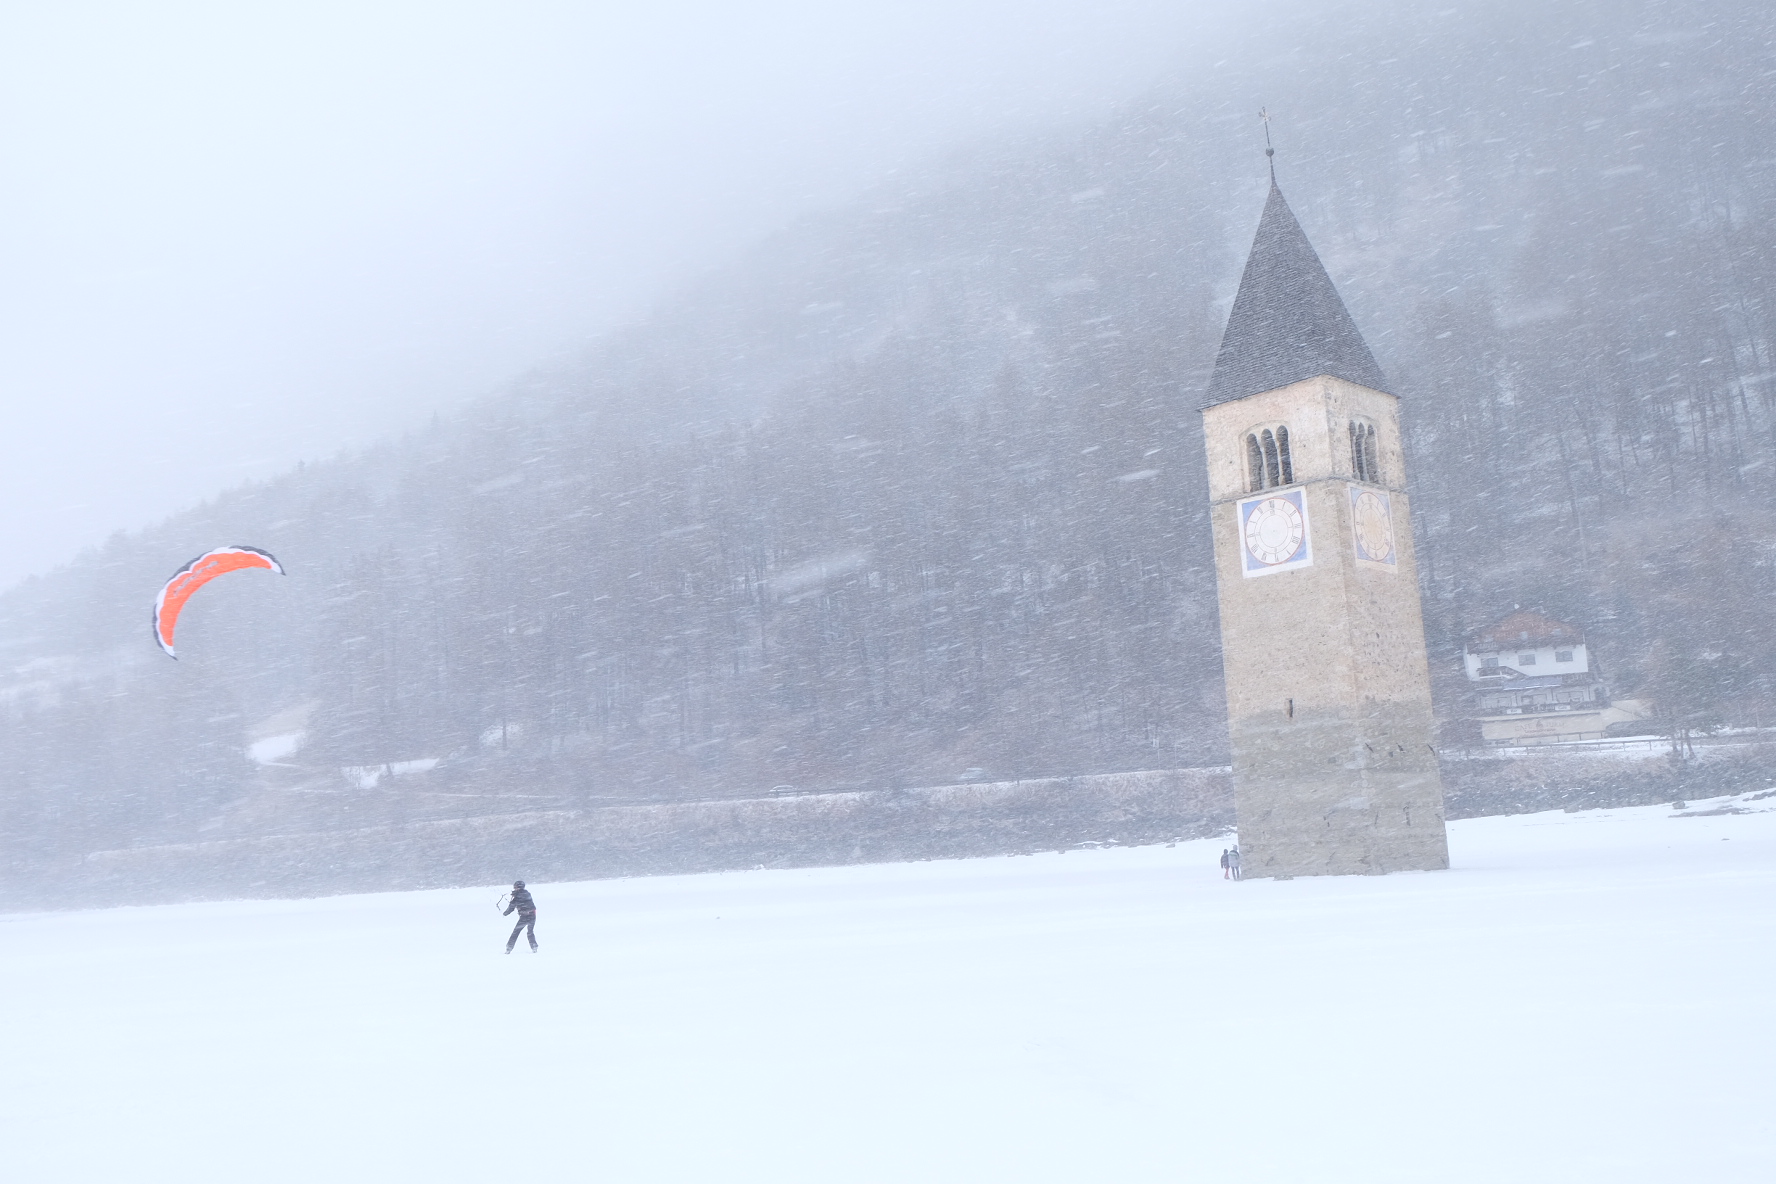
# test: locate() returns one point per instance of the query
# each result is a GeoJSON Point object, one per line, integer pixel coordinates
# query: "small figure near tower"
{"type": "Point", "coordinates": [1328, 687]}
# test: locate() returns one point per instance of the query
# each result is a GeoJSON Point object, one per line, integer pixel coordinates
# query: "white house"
{"type": "Point", "coordinates": [1535, 683]}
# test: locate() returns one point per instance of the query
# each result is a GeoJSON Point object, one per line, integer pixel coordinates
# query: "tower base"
{"type": "Point", "coordinates": [1337, 795]}
{"type": "Point", "coordinates": [1335, 828]}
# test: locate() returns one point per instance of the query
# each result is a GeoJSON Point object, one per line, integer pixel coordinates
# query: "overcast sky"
{"type": "Point", "coordinates": [238, 236]}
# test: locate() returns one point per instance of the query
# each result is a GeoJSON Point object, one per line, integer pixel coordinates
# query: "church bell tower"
{"type": "Point", "coordinates": [1328, 690]}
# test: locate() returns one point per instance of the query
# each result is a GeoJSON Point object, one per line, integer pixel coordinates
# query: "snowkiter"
{"type": "Point", "coordinates": [527, 916]}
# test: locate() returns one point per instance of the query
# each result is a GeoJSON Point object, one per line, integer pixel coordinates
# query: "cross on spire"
{"type": "Point", "coordinates": [1269, 152]}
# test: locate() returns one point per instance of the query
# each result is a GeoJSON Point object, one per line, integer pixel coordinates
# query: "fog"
{"type": "Point", "coordinates": [236, 239]}
{"type": "Point", "coordinates": [762, 440]}
{"type": "Point", "coordinates": [840, 435]}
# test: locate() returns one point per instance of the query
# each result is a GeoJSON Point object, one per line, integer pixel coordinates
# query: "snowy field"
{"type": "Point", "coordinates": [1587, 997]}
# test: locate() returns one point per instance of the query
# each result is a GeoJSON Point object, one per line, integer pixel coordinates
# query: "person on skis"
{"type": "Point", "coordinates": [527, 916]}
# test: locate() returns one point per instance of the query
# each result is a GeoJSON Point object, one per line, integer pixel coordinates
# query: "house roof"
{"type": "Point", "coordinates": [1526, 629]}
{"type": "Point", "coordinates": [1288, 321]}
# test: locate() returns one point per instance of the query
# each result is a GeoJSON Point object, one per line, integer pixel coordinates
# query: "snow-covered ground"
{"type": "Point", "coordinates": [1586, 997]}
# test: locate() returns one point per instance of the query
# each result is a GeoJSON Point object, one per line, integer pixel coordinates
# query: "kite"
{"type": "Point", "coordinates": [195, 575]}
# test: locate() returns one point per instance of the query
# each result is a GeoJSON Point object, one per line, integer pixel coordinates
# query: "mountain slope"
{"type": "Point", "coordinates": [913, 492]}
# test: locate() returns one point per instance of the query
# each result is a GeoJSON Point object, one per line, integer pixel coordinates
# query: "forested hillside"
{"type": "Point", "coordinates": [913, 493]}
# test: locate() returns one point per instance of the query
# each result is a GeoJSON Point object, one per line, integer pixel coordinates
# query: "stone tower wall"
{"type": "Point", "coordinates": [1328, 687]}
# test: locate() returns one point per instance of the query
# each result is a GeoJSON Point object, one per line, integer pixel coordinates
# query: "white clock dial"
{"type": "Point", "coordinates": [1372, 519]}
{"type": "Point", "coordinates": [1274, 530]}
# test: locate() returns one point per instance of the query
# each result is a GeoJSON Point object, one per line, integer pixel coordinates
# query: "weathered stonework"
{"type": "Point", "coordinates": [1328, 687]}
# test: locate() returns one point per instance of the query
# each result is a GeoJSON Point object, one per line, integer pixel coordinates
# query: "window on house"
{"type": "Point", "coordinates": [1526, 659]}
{"type": "Point", "coordinates": [1490, 662]}
{"type": "Point", "coordinates": [1268, 460]}
{"type": "Point", "coordinates": [1563, 655]}
{"type": "Point", "coordinates": [1365, 461]}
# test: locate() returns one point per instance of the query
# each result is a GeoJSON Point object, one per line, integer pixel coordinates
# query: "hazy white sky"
{"type": "Point", "coordinates": [235, 236]}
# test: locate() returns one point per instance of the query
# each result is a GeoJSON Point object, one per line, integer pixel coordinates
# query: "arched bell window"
{"type": "Point", "coordinates": [1365, 457]}
{"type": "Point", "coordinates": [1268, 463]}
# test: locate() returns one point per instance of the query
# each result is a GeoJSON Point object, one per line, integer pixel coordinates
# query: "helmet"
{"type": "Point", "coordinates": [517, 883]}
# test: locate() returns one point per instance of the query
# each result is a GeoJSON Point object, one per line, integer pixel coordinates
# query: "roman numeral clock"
{"type": "Point", "coordinates": [1273, 530]}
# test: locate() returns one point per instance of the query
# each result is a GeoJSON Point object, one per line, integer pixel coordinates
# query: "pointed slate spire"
{"type": "Point", "coordinates": [1288, 322]}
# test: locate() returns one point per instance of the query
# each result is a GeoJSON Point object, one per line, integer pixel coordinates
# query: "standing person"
{"type": "Point", "coordinates": [527, 916]}
{"type": "Point", "coordinates": [1233, 862]}
{"type": "Point", "coordinates": [1226, 873]}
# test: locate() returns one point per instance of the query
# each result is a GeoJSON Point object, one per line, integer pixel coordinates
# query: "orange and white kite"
{"type": "Point", "coordinates": [195, 575]}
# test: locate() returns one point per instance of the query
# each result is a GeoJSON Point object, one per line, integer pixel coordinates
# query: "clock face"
{"type": "Point", "coordinates": [1372, 526]}
{"type": "Point", "coordinates": [1274, 532]}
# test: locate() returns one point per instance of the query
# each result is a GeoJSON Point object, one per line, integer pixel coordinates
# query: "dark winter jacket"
{"type": "Point", "coordinates": [522, 902]}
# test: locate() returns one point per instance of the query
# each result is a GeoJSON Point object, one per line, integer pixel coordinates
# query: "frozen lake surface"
{"type": "Point", "coordinates": [1586, 997]}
